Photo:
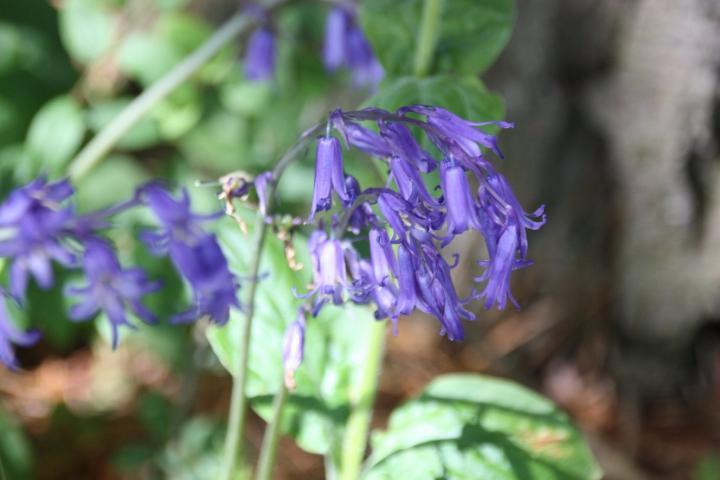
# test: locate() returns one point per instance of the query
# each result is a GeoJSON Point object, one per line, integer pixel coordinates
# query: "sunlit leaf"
{"type": "Point", "coordinates": [466, 426]}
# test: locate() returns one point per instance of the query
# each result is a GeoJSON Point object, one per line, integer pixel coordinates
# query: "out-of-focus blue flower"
{"type": "Point", "coordinates": [11, 335]}
{"type": "Point", "coordinates": [214, 287]}
{"type": "Point", "coordinates": [346, 45]}
{"type": "Point", "coordinates": [329, 271]}
{"type": "Point", "coordinates": [329, 175]}
{"type": "Point", "coordinates": [260, 55]}
{"type": "Point", "coordinates": [33, 224]}
{"type": "Point", "coordinates": [110, 288]}
{"type": "Point", "coordinates": [195, 253]}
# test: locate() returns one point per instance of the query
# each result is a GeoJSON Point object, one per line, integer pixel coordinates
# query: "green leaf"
{"type": "Point", "coordinates": [16, 455]}
{"type": "Point", "coordinates": [147, 57]}
{"type": "Point", "coordinates": [101, 188]}
{"type": "Point", "coordinates": [335, 345]}
{"type": "Point", "coordinates": [472, 33]}
{"type": "Point", "coordinates": [465, 96]}
{"type": "Point", "coordinates": [56, 133]}
{"type": "Point", "coordinates": [86, 29]}
{"type": "Point", "coordinates": [466, 426]}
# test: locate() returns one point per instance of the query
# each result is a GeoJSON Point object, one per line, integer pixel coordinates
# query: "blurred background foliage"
{"type": "Point", "coordinates": [155, 407]}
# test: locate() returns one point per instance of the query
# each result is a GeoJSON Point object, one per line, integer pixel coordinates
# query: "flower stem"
{"type": "Point", "coordinates": [427, 36]}
{"type": "Point", "coordinates": [268, 451]}
{"type": "Point", "coordinates": [356, 430]}
{"type": "Point", "coordinates": [238, 401]}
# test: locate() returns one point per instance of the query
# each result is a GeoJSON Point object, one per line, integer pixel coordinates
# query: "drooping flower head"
{"type": "Point", "coordinates": [329, 174]}
{"type": "Point", "coordinates": [408, 228]}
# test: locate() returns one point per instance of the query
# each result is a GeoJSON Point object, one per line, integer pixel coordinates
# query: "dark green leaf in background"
{"type": "Point", "coordinates": [466, 426]}
{"type": "Point", "coordinates": [472, 33]}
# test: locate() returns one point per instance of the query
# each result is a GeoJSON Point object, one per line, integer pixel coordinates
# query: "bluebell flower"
{"type": "Point", "coordinates": [294, 348]}
{"type": "Point", "coordinates": [329, 271]}
{"type": "Point", "coordinates": [403, 144]}
{"type": "Point", "coordinates": [461, 209]}
{"type": "Point", "coordinates": [407, 228]}
{"type": "Point", "coordinates": [214, 287]}
{"type": "Point", "coordinates": [337, 23]}
{"type": "Point", "coordinates": [346, 45]}
{"type": "Point", "coordinates": [195, 253]}
{"type": "Point", "coordinates": [329, 175]}
{"type": "Point", "coordinates": [10, 335]}
{"type": "Point", "coordinates": [448, 128]}
{"type": "Point", "coordinates": [34, 222]}
{"type": "Point", "coordinates": [260, 55]}
{"type": "Point", "coordinates": [110, 288]}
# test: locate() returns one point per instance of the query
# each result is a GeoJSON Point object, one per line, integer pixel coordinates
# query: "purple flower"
{"type": "Point", "coordinates": [195, 253]}
{"type": "Point", "coordinates": [405, 146]}
{"type": "Point", "coordinates": [329, 175]}
{"type": "Point", "coordinates": [448, 128]}
{"type": "Point", "coordinates": [366, 140]}
{"type": "Point", "coordinates": [346, 45]}
{"type": "Point", "coordinates": [328, 261]}
{"type": "Point", "coordinates": [381, 254]}
{"type": "Point", "coordinates": [11, 335]}
{"type": "Point", "coordinates": [294, 348]}
{"type": "Point", "coordinates": [214, 287]}
{"type": "Point", "coordinates": [334, 48]}
{"type": "Point", "coordinates": [110, 288]}
{"type": "Point", "coordinates": [178, 222]}
{"type": "Point", "coordinates": [260, 55]}
{"type": "Point", "coordinates": [34, 225]}
{"type": "Point", "coordinates": [461, 210]}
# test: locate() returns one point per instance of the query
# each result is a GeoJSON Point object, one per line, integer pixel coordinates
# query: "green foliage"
{"type": "Point", "coordinates": [465, 96]}
{"type": "Point", "coordinates": [55, 134]}
{"type": "Point", "coordinates": [336, 342]}
{"type": "Point", "coordinates": [86, 27]}
{"type": "Point", "coordinates": [16, 456]}
{"type": "Point", "coordinates": [472, 33]}
{"type": "Point", "coordinates": [466, 426]}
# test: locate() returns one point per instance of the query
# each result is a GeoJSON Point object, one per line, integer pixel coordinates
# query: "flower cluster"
{"type": "Point", "coordinates": [39, 226]}
{"type": "Point", "coordinates": [345, 45]}
{"type": "Point", "coordinates": [407, 224]}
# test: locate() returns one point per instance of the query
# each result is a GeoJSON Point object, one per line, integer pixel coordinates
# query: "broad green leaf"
{"type": "Point", "coordinates": [335, 343]}
{"type": "Point", "coordinates": [56, 133]}
{"type": "Point", "coordinates": [465, 96]}
{"type": "Point", "coordinates": [471, 34]}
{"type": "Point", "coordinates": [86, 29]}
{"type": "Point", "coordinates": [467, 426]}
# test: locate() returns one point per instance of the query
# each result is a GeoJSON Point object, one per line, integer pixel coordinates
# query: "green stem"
{"type": "Point", "coordinates": [358, 425]}
{"type": "Point", "coordinates": [268, 451]}
{"type": "Point", "coordinates": [99, 146]}
{"type": "Point", "coordinates": [427, 36]}
{"type": "Point", "coordinates": [238, 401]}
